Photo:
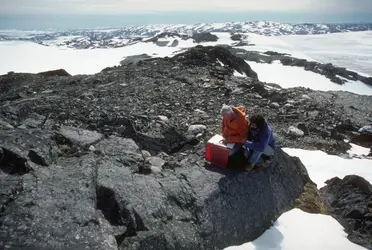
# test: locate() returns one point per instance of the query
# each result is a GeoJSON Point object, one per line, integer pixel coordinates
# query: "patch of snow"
{"type": "Point", "coordinates": [357, 150]}
{"type": "Point", "coordinates": [292, 76]}
{"type": "Point", "coordinates": [263, 43]}
{"type": "Point", "coordinates": [218, 60]}
{"type": "Point", "coordinates": [295, 230]}
{"type": "Point", "coordinates": [322, 167]}
{"type": "Point", "coordinates": [236, 73]}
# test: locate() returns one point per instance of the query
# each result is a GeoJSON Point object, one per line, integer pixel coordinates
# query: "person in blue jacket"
{"type": "Point", "coordinates": [260, 141]}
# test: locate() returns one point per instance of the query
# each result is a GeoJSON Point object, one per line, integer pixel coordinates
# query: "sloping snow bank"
{"type": "Point", "coordinates": [297, 230]}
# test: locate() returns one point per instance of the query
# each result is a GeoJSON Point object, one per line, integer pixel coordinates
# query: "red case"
{"type": "Point", "coordinates": [217, 153]}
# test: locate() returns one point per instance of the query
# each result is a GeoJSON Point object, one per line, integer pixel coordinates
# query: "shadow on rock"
{"type": "Point", "coordinates": [12, 163]}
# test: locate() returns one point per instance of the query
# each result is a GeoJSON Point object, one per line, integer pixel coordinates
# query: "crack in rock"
{"type": "Point", "coordinates": [107, 203]}
{"type": "Point", "coordinates": [119, 217]}
{"type": "Point", "coordinates": [11, 197]}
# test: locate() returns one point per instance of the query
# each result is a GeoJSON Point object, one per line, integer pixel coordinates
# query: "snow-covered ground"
{"type": "Point", "coordinates": [22, 56]}
{"type": "Point", "coordinates": [300, 230]}
{"type": "Point", "coordinates": [270, 43]}
{"type": "Point", "coordinates": [354, 53]}
{"type": "Point", "coordinates": [352, 50]}
{"type": "Point", "coordinates": [33, 58]}
{"type": "Point", "coordinates": [290, 76]}
{"type": "Point", "coordinates": [297, 230]}
{"type": "Point", "coordinates": [322, 167]}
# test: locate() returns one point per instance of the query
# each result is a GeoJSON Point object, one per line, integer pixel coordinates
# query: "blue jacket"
{"type": "Point", "coordinates": [261, 139]}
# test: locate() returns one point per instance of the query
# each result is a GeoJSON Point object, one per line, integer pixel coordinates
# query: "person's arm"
{"type": "Point", "coordinates": [241, 133]}
{"type": "Point", "coordinates": [238, 136]}
{"type": "Point", "coordinates": [223, 128]}
{"type": "Point", "coordinates": [261, 145]}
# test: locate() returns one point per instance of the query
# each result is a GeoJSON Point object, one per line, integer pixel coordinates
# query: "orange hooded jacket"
{"type": "Point", "coordinates": [236, 130]}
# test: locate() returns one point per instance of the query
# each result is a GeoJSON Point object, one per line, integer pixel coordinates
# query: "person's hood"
{"type": "Point", "coordinates": [239, 110]}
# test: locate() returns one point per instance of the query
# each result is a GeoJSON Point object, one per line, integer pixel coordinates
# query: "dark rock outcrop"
{"type": "Point", "coordinates": [101, 199]}
{"type": "Point", "coordinates": [166, 34]}
{"type": "Point", "coordinates": [363, 137]}
{"type": "Point", "coordinates": [332, 72]}
{"type": "Point", "coordinates": [236, 37]}
{"type": "Point", "coordinates": [204, 37]}
{"type": "Point", "coordinates": [350, 201]}
{"type": "Point", "coordinates": [188, 88]}
{"type": "Point", "coordinates": [58, 72]}
{"type": "Point", "coordinates": [198, 37]}
{"type": "Point", "coordinates": [134, 59]}
{"type": "Point", "coordinates": [203, 56]}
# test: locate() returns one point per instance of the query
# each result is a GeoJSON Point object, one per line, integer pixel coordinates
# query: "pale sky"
{"type": "Point", "coordinates": [130, 6]}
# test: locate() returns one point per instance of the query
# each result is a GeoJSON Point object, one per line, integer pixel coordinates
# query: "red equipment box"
{"type": "Point", "coordinates": [217, 152]}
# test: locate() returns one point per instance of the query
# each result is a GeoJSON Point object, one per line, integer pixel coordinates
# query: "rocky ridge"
{"type": "Point", "coordinates": [338, 75]}
{"type": "Point", "coordinates": [112, 38]}
{"type": "Point", "coordinates": [187, 89]}
{"type": "Point", "coordinates": [109, 161]}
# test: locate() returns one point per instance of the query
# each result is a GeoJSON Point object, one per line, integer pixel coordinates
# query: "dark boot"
{"type": "Point", "coordinates": [249, 166]}
{"type": "Point", "coordinates": [264, 165]}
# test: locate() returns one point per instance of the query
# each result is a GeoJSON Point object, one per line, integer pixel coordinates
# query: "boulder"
{"type": "Point", "coordinates": [366, 129]}
{"type": "Point", "coordinates": [79, 137]}
{"type": "Point", "coordinates": [163, 118]}
{"type": "Point", "coordinates": [293, 131]}
{"type": "Point", "coordinates": [156, 162]}
{"type": "Point", "coordinates": [274, 105]}
{"type": "Point", "coordinates": [349, 200]}
{"type": "Point", "coordinates": [34, 121]}
{"type": "Point", "coordinates": [22, 145]}
{"type": "Point", "coordinates": [288, 106]}
{"type": "Point", "coordinates": [304, 128]}
{"type": "Point", "coordinates": [194, 130]}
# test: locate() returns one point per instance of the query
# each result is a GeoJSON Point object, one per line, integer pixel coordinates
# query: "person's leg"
{"type": "Point", "coordinates": [265, 157]}
{"type": "Point", "coordinates": [269, 151]}
{"type": "Point", "coordinates": [254, 156]}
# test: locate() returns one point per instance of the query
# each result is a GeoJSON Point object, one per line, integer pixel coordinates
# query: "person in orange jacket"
{"type": "Point", "coordinates": [234, 126]}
